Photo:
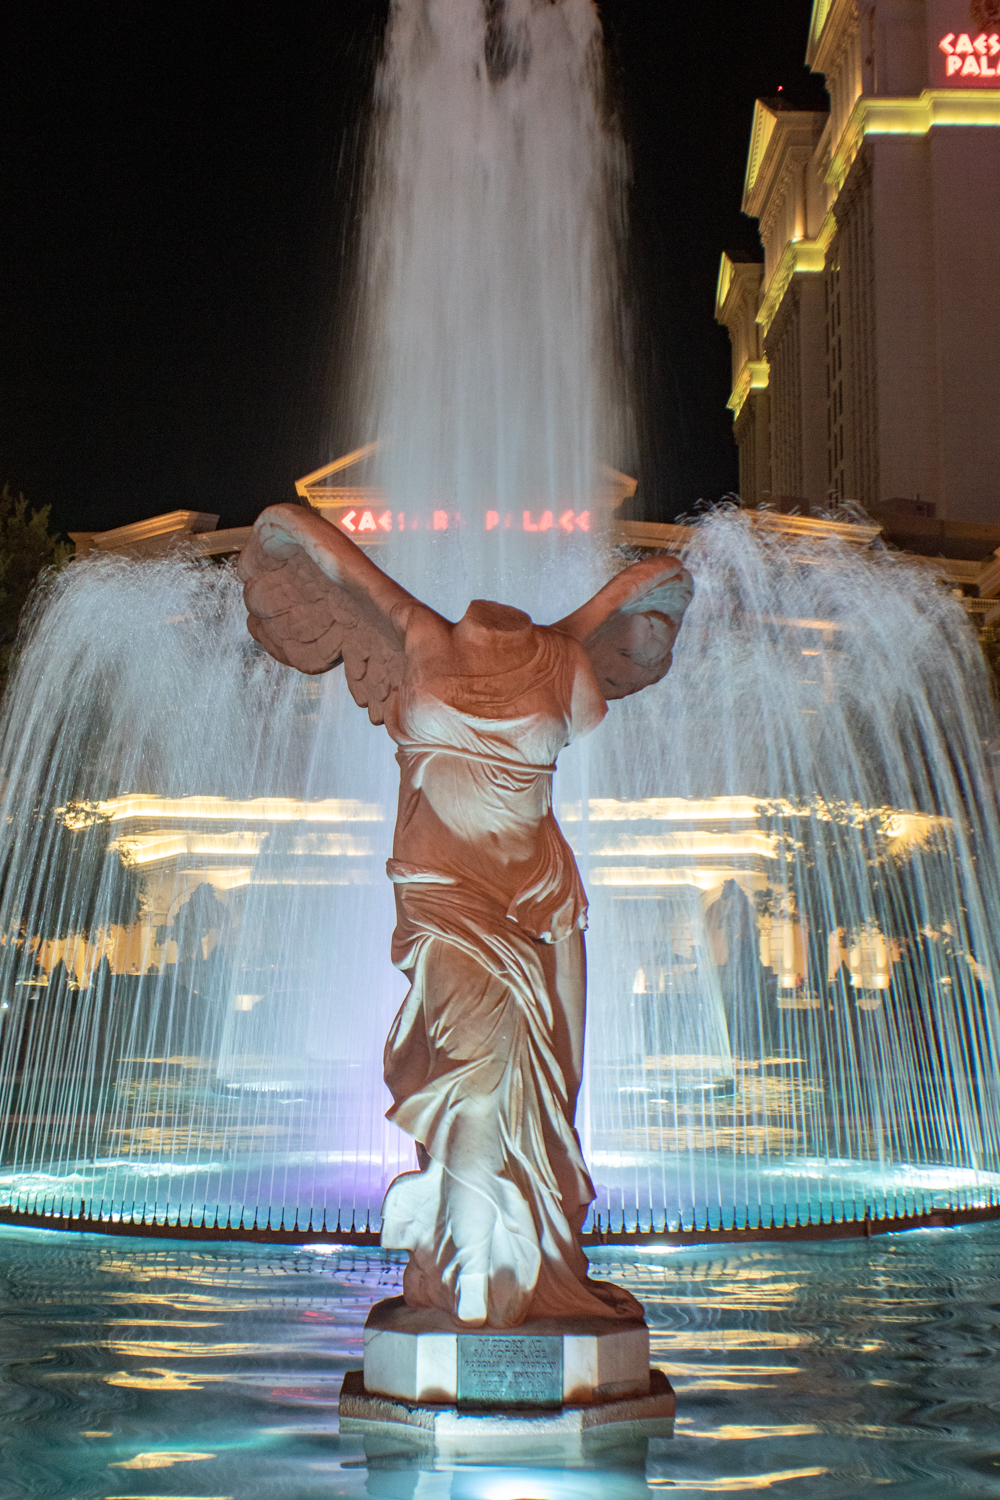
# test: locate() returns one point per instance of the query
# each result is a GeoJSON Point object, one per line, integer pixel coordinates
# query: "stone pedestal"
{"type": "Point", "coordinates": [568, 1382]}
{"type": "Point", "coordinates": [424, 1356]}
{"type": "Point", "coordinates": [571, 1432]}
{"type": "Point", "coordinates": [564, 1382]}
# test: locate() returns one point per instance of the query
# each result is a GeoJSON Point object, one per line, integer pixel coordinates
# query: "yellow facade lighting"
{"type": "Point", "coordinates": [162, 845]}
{"type": "Point", "coordinates": [915, 116]}
{"type": "Point", "coordinates": [643, 877]}
{"type": "Point", "coordinates": [754, 376]}
{"type": "Point", "coordinates": [312, 488]}
{"type": "Point", "coordinates": [665, 810]}
{"type": "Point", "coordinates": [821, 10]}
{"type": "Point", "coordinates": [799, 257]}
{"type": "Point", "coordinates": [702, 845]}
{"type": "Point", "coordinates": [761, 130]}
{"type": "Point", "coordinates": [870, 116]}
{"type": "Point", "coordinates": [202, 809]}
{"type": "Point", "coordinates": [727, 272]}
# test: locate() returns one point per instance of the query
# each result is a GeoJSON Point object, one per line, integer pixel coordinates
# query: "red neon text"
{"type": "Point", "coordinates": [371, 522]}
{"type": "Point", "coordinates": [569, 521]}
{"type": "Point", "coordinates": [961, 54]}
{"type": "Point", "coordinates": [367, 521]}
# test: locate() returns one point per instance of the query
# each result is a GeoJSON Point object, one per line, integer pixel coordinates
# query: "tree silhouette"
{"type": "Point", "coordinates": [199, 916]}
{"type": "Point", "coordinates": [78, 882]}
{"type": "Point", "coordinates": [27, 547]}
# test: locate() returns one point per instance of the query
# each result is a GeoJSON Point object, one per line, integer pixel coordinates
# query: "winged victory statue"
{"type": "Point", "coordinates": [485, 1057]}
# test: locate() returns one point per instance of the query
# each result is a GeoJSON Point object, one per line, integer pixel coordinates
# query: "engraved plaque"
{"type": "Point", "coordinates": [509, 1370]}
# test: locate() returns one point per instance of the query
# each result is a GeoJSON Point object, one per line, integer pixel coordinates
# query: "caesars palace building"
{"type": "Point", "coordinates": [866, 342]}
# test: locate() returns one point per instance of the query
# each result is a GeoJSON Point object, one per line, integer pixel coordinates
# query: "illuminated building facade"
{"type": "Point", "coordinates": [866, 344]}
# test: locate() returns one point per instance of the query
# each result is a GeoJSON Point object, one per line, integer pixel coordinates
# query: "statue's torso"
{"type": "Point", "coordinates": [476, 754]}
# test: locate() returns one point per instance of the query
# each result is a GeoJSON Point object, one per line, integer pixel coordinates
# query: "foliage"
{"type": "Point", "coordinates": [77, 881]}
{"type": "Point", "coordinates": [27, 547]}
{"type": "Point", "coordinates": [853, 868]}
{"type": "Point", "coordinates": [197, 918]}
{"type": "Point", "coordinates": [844, 863]}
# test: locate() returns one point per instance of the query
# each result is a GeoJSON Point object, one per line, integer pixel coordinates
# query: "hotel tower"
{"type": "Point", "coordinates": [866, 342]}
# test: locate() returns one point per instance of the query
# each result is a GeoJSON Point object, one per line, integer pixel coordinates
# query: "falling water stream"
{"type": "Point", "coordinates": [791, 848]}
{"type": "Point", "coordinates": [490, 329]}
{"type": "Point", "coordinates": [791, 844]}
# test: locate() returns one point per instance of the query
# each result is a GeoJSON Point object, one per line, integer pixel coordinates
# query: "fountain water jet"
{"type": "Point", "coordinates": [490, 325]}
{"type": "Point", "coordinates": [830, 804]}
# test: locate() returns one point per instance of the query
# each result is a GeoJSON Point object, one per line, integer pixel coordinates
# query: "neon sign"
{"type": "Point", "coordinates": [366, 520]}
{"type": "Point", "coordinates": [569, 521]}
{"type": "Point", "coordinates": [969, 57]}
{"type": "Point", "coordinates": [371, 523]}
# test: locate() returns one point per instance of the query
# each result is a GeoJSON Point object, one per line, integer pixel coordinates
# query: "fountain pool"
{"type": "Point", "coordinates": [849, 1371]}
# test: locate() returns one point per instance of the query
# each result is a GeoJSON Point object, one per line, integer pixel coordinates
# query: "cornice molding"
{"type": "Point", "coordinates": [737, 287]}
{"type": "Point", "coordinates": [313, 482]}
{"type": "Point", "coordinates": [839, 22]}
{"type": "Point", "coordinates": [761, 130]}
{"type": "Point", "coordinates": [174, 523]}
{"type": "Point", "coordinates": [912, 116]}
{"type": "Point", "coordinates": [791, 138]}
{"type": "Point", "coordinates": [754, 376]}
{"type": "Point", "coordinates": [800, 257]}
{"type": "Point", "coordinates": [820, 15]}
{"type": "Point", "coordinates": [797, 158]}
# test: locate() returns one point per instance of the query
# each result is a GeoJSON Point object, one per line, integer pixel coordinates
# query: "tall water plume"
{"type": "Point", "coordinates": [490, 332]}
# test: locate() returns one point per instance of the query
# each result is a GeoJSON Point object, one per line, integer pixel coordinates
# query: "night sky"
{"type": "Point", "coordinates": [175, 182]}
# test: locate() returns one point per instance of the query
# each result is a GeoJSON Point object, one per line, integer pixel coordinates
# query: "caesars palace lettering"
{"type": "Point", "coordinates": [375, 520]}
{"type": "Point", "coordinates": [970, 57]}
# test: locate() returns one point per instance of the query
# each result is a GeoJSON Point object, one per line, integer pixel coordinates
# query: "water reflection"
{"type": "Point", "coordinates": [175, 1372]}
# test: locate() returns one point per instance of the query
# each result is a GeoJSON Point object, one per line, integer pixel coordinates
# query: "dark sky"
{"type": "Point", "coordinates": [173, 182]}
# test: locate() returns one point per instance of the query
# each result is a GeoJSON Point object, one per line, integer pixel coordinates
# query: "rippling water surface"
{"type": "Point", "coordinates": [137, 1369]}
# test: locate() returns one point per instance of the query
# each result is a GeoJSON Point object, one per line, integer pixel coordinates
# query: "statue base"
{"type": "Point", "coordinates": [424, 1356]}
{"type": "Point", "coordinates": [568, 1430]}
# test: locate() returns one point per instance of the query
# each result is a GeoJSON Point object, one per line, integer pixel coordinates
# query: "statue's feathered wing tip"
{"type": "Point", "coordinates": [629, 627]}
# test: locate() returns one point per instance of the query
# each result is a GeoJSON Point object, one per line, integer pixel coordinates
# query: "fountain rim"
{"type": "Point", "coordinates": [79, 1220]}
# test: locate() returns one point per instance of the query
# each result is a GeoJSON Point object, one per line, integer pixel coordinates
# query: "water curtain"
{"type": "Point", "coordinates": [791, 850]}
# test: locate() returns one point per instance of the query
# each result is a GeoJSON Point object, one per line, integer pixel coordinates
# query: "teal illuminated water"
{"type": "Point", "coordinates": [134, 1369]}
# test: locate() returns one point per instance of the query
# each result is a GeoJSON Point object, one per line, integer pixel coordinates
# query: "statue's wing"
{"type": "Point", "coordinates": [628, 629]}
{"type": "Point", "coordinates": [315, 600]}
